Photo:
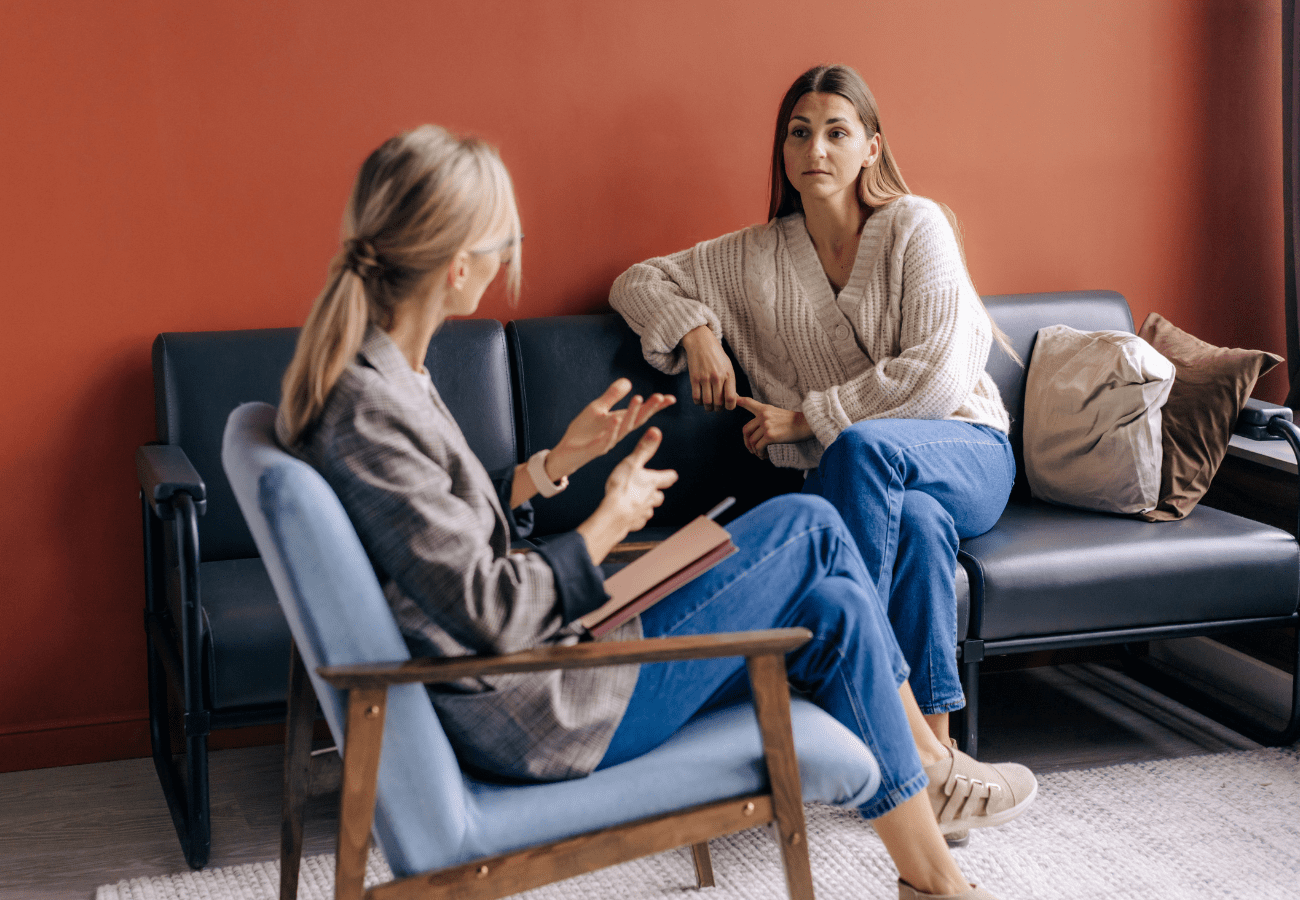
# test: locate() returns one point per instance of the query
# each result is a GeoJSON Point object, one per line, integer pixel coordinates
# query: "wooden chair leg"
{"type": "Point", "coordinates": [703, 864]}
{"type": "Point", "coordinates": [364, 740]}
{"type": "Point", "coordinates": [297, 772]}
{"type": "Point", "coordinates": [772, 703]}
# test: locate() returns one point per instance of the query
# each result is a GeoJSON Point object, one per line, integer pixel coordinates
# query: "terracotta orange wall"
{"type": "Point", "coordinates": [172, 167]}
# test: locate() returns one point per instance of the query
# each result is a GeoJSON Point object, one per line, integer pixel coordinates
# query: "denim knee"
{"type": "Point", "coordinates": [809, 510]}
{"type": "Point", "coordinates": [830, 614]}
{"type": "Point", "coordinates": [924, 522]}
{"type": "Point", "coordinates": [857, 447]}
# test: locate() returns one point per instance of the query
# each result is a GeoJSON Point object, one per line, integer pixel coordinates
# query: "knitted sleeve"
{"type": "Point", "coordinates": [665, 297]}
{"type": "Point", "coordinates": [943, 340]}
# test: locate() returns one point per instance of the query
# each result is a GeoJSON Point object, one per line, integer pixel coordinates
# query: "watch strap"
{"type": "Point", "coordinates": [542, 481]}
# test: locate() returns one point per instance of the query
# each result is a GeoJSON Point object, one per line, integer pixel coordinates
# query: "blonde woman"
{"type": "Point", "coordinates": [865, 343]}
{"type": "Point", "coordinates": [430, 223]}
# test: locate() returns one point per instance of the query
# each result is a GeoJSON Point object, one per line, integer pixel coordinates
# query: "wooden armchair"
{"type": "Point", "coordinates": [486, 878]}
{"type": "Point", "coordinates": [448, 834]}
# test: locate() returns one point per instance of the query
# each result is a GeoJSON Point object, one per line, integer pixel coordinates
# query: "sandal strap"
{"type": "Point", "coordinates": [966, 797]}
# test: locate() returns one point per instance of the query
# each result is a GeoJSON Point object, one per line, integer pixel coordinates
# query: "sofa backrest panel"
{"type": "Point", "coordinates": [469, 362]}
{"type": "Point", "coordinates": [199, 377]}
{"type": "Point", "coordinates": [1020, 316]}
{"type": "Point", "coordinates": [561, 363]}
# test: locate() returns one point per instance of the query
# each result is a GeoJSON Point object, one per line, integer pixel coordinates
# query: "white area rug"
{"type": "Point", "coordinates": [1219, 826]}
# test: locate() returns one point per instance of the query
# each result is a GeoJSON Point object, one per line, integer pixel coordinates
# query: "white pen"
{"type": "Point", "coordinates": [720, 508]}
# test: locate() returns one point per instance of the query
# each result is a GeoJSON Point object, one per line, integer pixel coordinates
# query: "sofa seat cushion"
{"type": "Point", "coordinates": [1046, 570]}
{"type": "Point", "coordinates": [246, 639]}
{"type": "Point", "coordinates": [716, 756]}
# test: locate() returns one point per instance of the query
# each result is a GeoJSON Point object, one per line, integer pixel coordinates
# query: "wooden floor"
{"type": "Point", "coordinates": [65, 831]}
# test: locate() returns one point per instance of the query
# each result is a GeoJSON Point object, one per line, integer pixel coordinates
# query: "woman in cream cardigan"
{"type": "Point", "coordinates": [865, 342]}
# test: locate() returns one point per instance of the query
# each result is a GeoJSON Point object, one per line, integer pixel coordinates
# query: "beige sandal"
{"type": "Point", "coordinates": [966, 793]}
{"type": "Point", "coordinates": [907, 892]}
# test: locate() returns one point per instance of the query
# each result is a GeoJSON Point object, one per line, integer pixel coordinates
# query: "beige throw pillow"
{"type": "Point", "coordinates": [1092, 419]}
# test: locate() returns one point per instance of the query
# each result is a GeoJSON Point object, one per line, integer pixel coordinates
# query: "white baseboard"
{"type": "Point", "coordinates": [1264, 687]}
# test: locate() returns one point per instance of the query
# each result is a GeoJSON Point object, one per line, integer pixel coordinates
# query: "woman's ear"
{"type": "Point", "coordinates": [873, 151]}
{"type": "Point", "coordinates": [458, 270]}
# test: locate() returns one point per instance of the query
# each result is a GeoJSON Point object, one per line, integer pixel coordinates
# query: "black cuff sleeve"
{"type": "Point", "coordinates": [580, 583]}
{"type": "Point", "coordinates": [520, 518]}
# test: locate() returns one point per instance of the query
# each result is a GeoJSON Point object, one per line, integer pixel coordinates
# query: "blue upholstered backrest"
{"type": "Point", "coordinates": [338, 616]}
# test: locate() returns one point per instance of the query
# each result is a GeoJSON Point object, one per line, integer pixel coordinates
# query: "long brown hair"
{"type": "Point", "coordinates": [879, 184]}
{"type": "Point", "coordinates": [418, 200]}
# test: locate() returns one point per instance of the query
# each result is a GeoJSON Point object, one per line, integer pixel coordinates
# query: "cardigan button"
{"type": "Point", "coordinates": [842, 332]}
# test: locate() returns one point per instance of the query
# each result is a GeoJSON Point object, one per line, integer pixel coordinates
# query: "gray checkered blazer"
{"type": "Point", "coordinates": [430, 518]}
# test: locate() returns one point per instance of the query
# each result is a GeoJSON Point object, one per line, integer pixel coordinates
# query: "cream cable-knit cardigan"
{"type": "Point", "coordinates": [913, 343]}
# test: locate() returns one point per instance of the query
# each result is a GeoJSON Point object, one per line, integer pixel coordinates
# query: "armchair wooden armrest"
{"type": "Point", "coordinates": [573, 656]}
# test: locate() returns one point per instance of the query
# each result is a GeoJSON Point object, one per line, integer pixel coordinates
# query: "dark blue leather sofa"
{"type": "Point", "coordinates": [1045, 577]}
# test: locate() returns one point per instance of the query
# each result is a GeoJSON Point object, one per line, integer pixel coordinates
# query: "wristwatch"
{"type": "Point", "coordinates": [542, 481]}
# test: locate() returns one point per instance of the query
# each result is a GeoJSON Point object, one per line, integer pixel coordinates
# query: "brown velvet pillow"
{"type": "Point", "coordinates": [1211, 385]}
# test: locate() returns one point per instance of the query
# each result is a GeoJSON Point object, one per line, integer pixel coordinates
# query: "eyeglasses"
{"type": "Point", "coordinates": [500, 246]}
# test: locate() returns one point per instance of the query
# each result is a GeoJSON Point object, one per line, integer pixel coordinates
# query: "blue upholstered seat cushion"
{"type": "Point", "coordinates": [716, 756]}
{"type": "Point", "coordinates": [428, 815]}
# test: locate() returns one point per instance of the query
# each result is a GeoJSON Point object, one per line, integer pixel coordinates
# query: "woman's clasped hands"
{"type": "Point", "coordinates": [713, 386]}
{"type": "Point", "coordinates": [771, 425]}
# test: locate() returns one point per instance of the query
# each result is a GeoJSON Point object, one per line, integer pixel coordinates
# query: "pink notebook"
{"type": "Point", "coordinates": [689, 553]}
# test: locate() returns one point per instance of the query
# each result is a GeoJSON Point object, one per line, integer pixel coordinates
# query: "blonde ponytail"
{"type": "Point", "coordinates": [329, 340]}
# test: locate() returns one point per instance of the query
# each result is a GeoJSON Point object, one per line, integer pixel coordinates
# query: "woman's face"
{"type": "Point", "coordinates": [826, 147]}
{"type": "Point", "coordinates": [486, 256]}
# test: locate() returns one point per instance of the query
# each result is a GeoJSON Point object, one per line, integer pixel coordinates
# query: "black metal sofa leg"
{"type": "Point", "coordinates": [186, 794]}
{"type": "Point", "coordinates": [968, 740]}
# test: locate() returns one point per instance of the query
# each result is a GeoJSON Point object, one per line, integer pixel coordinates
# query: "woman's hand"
{"type": "Point", "coordinates": [632, 493]}
{"type": "Point", "coordinates": [713, 379]}
{"type": "Point", "coordinates": [599, 427]}
{"type": "Point", "coordinates": [772, 425]}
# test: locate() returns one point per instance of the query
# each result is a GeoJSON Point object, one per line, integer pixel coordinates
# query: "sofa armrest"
{"type": "Point", "coordinates": [574, 656]}
{"type": "Point", "coordinates": [165, 471]}
{"type": "Point", "coordinates": [1254, 419]}
{"type": "Point", "coordinates": [1284, 428]}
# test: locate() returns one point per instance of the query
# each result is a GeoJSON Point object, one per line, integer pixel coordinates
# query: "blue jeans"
{"type": "Point", "coordinates": [909, 490]}
{"type": "Point", "coordinates": [797, 565]}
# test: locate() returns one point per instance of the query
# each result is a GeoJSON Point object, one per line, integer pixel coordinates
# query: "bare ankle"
{"type": "Point", "coordinates": [930, 756]}
{"type": "Point", "coordinates": [931, 750]}
{"type": "Point", "coordinates": [938, 723]}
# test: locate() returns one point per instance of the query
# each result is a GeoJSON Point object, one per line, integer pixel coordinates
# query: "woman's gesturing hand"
{"type": "Point", "coordinates": [772, 425]}
{"type": "Point", "coordinates": [599, 427]}
{"type": "Point", "coordinates": [713, 379]}
{"type": "Point", "coordinates": [632, 493]}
